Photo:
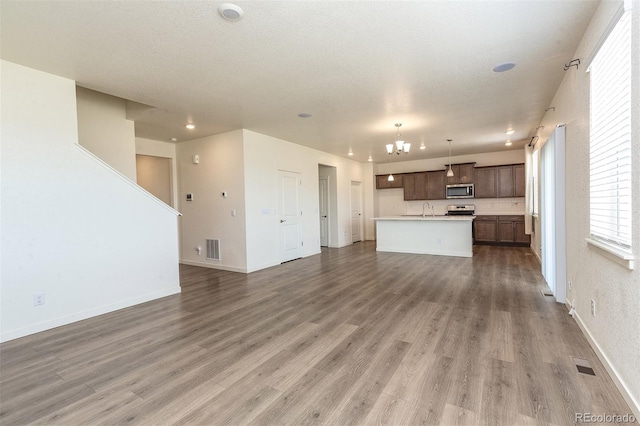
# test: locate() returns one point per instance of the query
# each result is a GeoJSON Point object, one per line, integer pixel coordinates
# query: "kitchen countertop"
{"type": "Point", "coordinates": [419, 217]}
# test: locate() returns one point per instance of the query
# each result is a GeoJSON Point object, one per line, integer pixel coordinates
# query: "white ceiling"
{"type": "Point", "coordinates": [357, 66]}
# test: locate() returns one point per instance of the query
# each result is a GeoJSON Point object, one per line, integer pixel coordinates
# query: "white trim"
{"type": "Point", "coordinates": [535, 252]}
{"type": "Point", "coordinates": [623, 258]}
{"type": "Point", "coordinates": [134, 185]}
{"type": "Point", "coordinates": [79, 316]}
{"type": "Point", "coordinates": [347, 243]}
{"type": "Point", "coordinates": [614, 20]}
{"type": "Point", "coordinates": [215, 266]}
{"type": "Point", "coordinates": [613, 373]}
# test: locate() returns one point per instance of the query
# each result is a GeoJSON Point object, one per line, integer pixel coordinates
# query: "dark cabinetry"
{"type": "Point", "coordinates": [462, 173]}
{"type": "Point", "coordinates": [504, 230]}
{"type": "Point", "coordinates": [382, 181]}
{"type": "Point", "coordinates": [499, 181]}
{"type": "Point", "coordinates": [436, 185]}
{"type": "Point", "coordinates": [485, 229]}
{"type": "Point", "coordinates": [519, 180]}
{"type": "Point", "coordinates": [424, 185]}
{"type": "Point", "coordinates": [485, 182]}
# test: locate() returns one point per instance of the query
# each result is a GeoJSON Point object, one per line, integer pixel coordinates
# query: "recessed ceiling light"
{"type": "Point", "coordinates": [230, 11]}
{"type": "Point", "coordinates": [190, 126]}
{"type": "Point", "coordinates": [504, 67]}
{"type": "Point", "coordinates": [370, 159]}
{"type": "Point", "coordinates": [350, 153]}
{"type": "Point", "coordinates": [422, 146]}
{"type": "Point", "coordinates": [304, 115]}
{"type": "Point", "coordinates": [508, 143]}
{"type": "Point", "coordinates": [174, 139]}
{"type": "Point", "coordinates": [510, 132]}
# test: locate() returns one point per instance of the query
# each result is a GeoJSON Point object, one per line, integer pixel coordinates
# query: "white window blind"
{"type": "Point", "coordinates": [610, 138]}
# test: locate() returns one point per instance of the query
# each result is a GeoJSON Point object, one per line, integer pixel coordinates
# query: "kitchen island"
{"type": "Point", "coordinates": [437, 235]}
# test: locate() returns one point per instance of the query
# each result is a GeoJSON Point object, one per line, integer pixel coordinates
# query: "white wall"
{"type": "Point", "coordinates": [615, 330]}
{"type": "Point", "coordinates": [390, 202]}
{"type": "Point", "coordinates": [263, 157]}
{"type": "Point", "coordinates": [72, 227]}
{"type": "Point", "coordinates": [209, 215]}
{"type": "Point", "coordinates": [104, 130]}
{"type": "Point", "coordinates": [165, 150]}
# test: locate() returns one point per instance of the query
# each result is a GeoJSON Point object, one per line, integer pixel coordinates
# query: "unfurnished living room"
{"type": "Point", "coordinates": [320, 212]}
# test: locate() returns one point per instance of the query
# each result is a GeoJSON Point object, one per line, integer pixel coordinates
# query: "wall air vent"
{"type": "Point", "coordinates": [213, 249]}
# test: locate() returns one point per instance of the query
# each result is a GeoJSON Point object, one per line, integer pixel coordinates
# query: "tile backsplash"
{"type": "Point", "coordinates": [483, 206]}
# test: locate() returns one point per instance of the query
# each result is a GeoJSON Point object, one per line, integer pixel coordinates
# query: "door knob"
{"type": "Point", "coordinates": [324, 215]}
{"type": "Point", "coordinates": [282, 220]}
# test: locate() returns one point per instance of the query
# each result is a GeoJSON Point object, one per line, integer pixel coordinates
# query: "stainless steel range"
{"type": "Point", "coordinates": [461, 210]}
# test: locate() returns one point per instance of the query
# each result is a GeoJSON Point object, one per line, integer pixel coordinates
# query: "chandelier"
{"type": "Point", "coordinates": [400, 146]}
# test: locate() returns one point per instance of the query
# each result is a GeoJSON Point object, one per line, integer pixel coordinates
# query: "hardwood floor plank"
{"type": "Point", "coordinates": [349, 336]}
{"type": "Point", "coordinates": [501, 336]}
{"type": "Point", "coordinates": [499, 396]}
{"type": "Point", "coordinates": [354, 410]}
{"type": "Point", "coordinates": [389, 410]}
{"type": "Point", "coordinates": [456, 416]}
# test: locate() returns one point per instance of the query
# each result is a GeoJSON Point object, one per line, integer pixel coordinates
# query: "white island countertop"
{"type": "Point", "coordinates": [436, 235]}
{"type": "Point", "coordinates": [427, 217]}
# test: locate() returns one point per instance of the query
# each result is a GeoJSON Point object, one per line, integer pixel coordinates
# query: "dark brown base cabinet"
{"type": "Point", "coordinates": [500, 230]}
{"type": "Point", "coordinates": [485, 229]}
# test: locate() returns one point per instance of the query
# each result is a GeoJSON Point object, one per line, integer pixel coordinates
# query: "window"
{"type": "Point", "coordinates": [610, 139]}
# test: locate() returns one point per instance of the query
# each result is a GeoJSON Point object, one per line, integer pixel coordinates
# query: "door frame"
{"type": "Point", "coordinates": [358, 184]}
{"type": "Point", "coordinates": [327, 202]}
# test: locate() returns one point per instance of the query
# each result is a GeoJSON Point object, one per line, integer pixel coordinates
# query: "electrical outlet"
{"type": "Point", "coordinates": [38, 299]}
{"type": "Point", "coordinates": [570, 284]}
{"type": "Point", "coordinates": [593, 308]}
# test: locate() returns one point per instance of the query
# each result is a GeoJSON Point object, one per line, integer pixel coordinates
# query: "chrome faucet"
{"type": "Point", "coordinates": [426, 204]}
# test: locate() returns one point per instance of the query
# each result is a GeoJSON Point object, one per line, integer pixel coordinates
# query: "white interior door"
{"type": "Point", "coordinates": [356, 212]}
{"type": "Point", "coordinates": [553, 237]}
{"type": "Point", "coordinates": [323, 185]}
{"type": "Point", "coordinates": [290, 246]}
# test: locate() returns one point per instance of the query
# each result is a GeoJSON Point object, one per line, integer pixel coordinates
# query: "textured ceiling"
{"type": "Point", "coordinates": [357, 66]}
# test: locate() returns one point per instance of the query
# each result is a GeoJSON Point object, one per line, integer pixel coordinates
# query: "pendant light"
{"type": "Point", "coordinates": [390, 178]}
{"type": "Point", "coordinates": [450, 171]}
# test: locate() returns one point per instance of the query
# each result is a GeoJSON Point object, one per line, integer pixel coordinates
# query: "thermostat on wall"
{"type": "Point", "coordinates": [189, 197]}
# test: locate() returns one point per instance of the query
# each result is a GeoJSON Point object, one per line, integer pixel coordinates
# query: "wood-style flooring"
{"type": "Point", "coordinates": [347, 337]}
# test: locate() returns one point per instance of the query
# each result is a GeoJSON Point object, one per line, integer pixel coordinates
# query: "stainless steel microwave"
{"type": "Point", "coordinates": [463, 190]}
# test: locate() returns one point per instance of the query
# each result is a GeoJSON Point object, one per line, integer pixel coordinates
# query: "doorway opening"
{"type": "Point", "coordinates": [328, 205]}
{"type": "Point", "coordinates": [356, 211]}
{"type": "Point", "coordinates": [154, 175]}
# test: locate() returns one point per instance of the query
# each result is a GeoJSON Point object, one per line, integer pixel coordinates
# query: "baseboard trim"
{"type": "Point", "coordinates": [215, 266]}
{"type": "Point", "coordinates": [613, 373]}
{"type": "Point", "coordinates": [79, 316]}
{"type": "Point", "coordinates": [536, 254]}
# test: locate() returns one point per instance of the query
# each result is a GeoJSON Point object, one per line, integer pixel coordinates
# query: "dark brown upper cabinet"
{"type": "Point", "coordinates": [462, 173]}
{"type": "Point", "coordinates": [382, 181]}
{"type": "Point", "coordinates": [424, 186]}
{"type": "Point", "coordinates": [485, 182]}
{"type": "Point", "coordinates": [499, 181]}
